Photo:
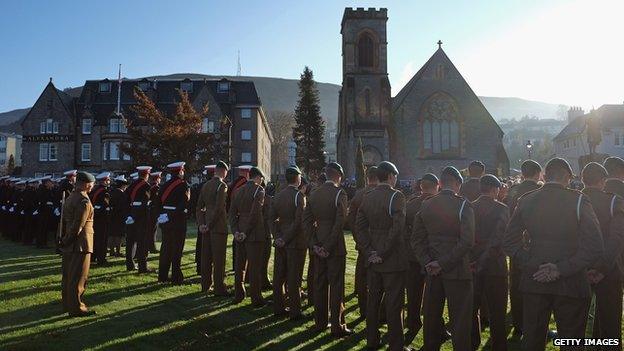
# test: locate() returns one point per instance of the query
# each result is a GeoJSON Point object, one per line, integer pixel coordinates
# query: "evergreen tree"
{"type": "Point", "coordinates": [360, 170]}
{"type": "Point", "coordinates": [309, 126]}
{"type": "Point", "coordinates": [158, 138]}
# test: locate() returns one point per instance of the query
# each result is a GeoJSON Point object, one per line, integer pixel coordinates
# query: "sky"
{"type": "Point", "coordinates": [558, 51]}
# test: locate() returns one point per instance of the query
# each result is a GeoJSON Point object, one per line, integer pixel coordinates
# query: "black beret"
{"type": "Point", "coordinates": [530, 167]}
{"type": "Point", "coordinates": [85, 177]}
{"type": "Point", "coordinates": [388, 167]}
{"type": "Point", "coordinates": [560, 163]}
{"type": "Point", "coordinates": [370, 171]}
{"type": "Point", "coordinates": [304, 181]}
{"type": "Point", "coordinates": [594, 171]}
{"type": "Point", "coordinates": [293, 170]}
{"type": "Point", "coordinates": [453, 172]}
{"type": "Point", "coordinates": [477, 163]}
{"type": "Point", "coordinates": [337, 167]}
{"type": "Point", "coordinates": [221, 164]}
{"type": "Point", "coordinates": [254, 172]}
{"type": "Point", "coordinates": [490, 180]}
{"type": "Point", "coordinates": [431, 178]}
{"type": "Point", "coordinates": [613, 164]}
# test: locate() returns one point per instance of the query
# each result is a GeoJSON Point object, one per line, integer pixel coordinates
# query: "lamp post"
{"type": "Point", "coordinates": [529, 146]}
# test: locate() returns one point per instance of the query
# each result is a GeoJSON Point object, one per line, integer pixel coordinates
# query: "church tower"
{"type": "Point", "coordinates": [364, 103]}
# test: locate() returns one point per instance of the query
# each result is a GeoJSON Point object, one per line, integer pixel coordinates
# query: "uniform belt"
{"type": "Point", "coordinates": [137, 203]}
{"type": "Point", "coordinates": [97, 207]}
{"type": "Point", "coordinates": [169, 208]}
{"type": "Point", "coordinates": [149, 202]}
{"type": "Point", "coordinates": [50, 203]}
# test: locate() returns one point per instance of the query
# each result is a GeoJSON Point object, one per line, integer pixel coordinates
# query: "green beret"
{"type": "Point", "coordinates": [453, 172]}
{"type": "Point", "coordinates": [388, 167]}
{"type": "Point", "coordinates": [594, 171]}
{"type": "Point", "coordinates": [490, 180]}
{"type": "Point", "coordinates": [560, 163]}
{"type": "Point", "coordinates": [370, 171]}
{"type": "Point", "coordinates": [337, 167]}
{"type": "Point", "coordinates": [293, 170]}
{"type": "Point", "coordinates": [85, 177]}
{"type": "Point", "coordinates": [254, 172]}
{"type": "Point", "coordinates": [477, 163]}
{"type": "Point", "coordinates": [223, 165]}
{"type": "Point", "coordinates": [431, 178]}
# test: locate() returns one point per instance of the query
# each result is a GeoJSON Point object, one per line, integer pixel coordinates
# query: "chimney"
{"type": "Point", "coordinates": [574, 112]}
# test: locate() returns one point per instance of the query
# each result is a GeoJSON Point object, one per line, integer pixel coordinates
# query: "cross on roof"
{"type": "Point", "coordinates": [439, 44]}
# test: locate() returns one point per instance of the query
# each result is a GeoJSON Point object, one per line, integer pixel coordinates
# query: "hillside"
{"type": "Point", "coordinates": [279, 94]}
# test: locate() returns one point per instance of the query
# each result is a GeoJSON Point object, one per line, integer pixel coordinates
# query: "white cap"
{"type": "Point", "coordinates": [120, 178]}
{"type": "Point", "coordinates": [48, 177]}
{"type": "Point", "coordinates": [33, 180]}
{"type": "Point", "coordinates": [144, 168]}
{"type": "Point", "coordinates": [103, 175]}
{"type": "Point", "coordinates": [21, 182]}
{"type": "Point", "coordinates": [210, 167]}
{"type": "Point", "coordinates": [70, 172]}
{"type": "Point", "coordinates": [134, 175]}
{"type": "Point", "coordinates": [5, 177]}
{"type": "Point", "coordinates": [155, 174]}
{"type": "Point", "coordinates": [245, 167]}
{"type": "Point", "coordinates": [176, 165]}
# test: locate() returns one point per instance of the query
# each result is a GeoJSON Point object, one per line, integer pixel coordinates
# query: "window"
{"type": "Point", "coordinates": [246, 134]}
{"type": "Point", "coordinates": [105, 147]}
{"type": "Point", "coordinates": [246, 157]}
{"type": "Point", "coordinates": [52, 154]}
{"type": "Point", "coordinates": [445, 135]}
{"type": "Point", "coordinates": [86, 126]}
{"type": "Point", "coordinates": [117, 125]}
{"type": "Point", "coordinates": [246, 113]}
{"type": "Point", "coordinates": [42, 127]}
{"type": "Point", "coordinates": [207, 126]}
{"type": "Point", "coordinates": [440, 127]}
{"type": "Point", "coordinates": [2, 150]}
{"type": "Point", "coordinates": [49, 127]}
{"type": "Point", "coordinates": [186, 87]}
{"type": "Point", "coordinates": [427, 134]}
{"type": "Point", "coordinates": [366, 49]}
{"type": "Point", "coordinates": [114, 151]}
{"type": "Point", "coordinates": [43, 151]}
{"type": "Point", "coordinates": [105, 87]}
{"type": "Point", "coordinates": [144, 86]}
{"type": "Point", "coordinates": [125, 156]}
{"type": "Point", "coordinates": [223, 87]}
{"type": "Point", "coordinates": [55, 127]}
{"type": "Point", "coordinates": [436, 137]}
{"type": "Point", "coordinates": [454, 134]}
{"type": "Point", "coordinates": [85, 151]}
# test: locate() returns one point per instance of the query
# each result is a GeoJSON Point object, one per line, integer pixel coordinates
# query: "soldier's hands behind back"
{"type": "Point", "coordinates": [433, 268]}
{"type": "Point", "coordinates": [203, 228]}
{"type": "Point", "coordinates": [546, 273]}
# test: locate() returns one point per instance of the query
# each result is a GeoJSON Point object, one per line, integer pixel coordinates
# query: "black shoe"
{"type": "Point", "coordinates": [83, 314]}
{"type": "Point", "coordinates": [446, 336]}
{"type": "Point", "coordinates": [345, 332]}
{"type": "Point", "coordinates": [552, 334]}
{"type": "Point", "coordinates": [132, 268]}
{"type": "Point", "coordinates": [410, 336]}
{"type": "Point", "coordinates": [517, 332]}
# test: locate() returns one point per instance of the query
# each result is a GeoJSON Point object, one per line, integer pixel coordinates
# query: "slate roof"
{"type": "Point", "coordinates": [610, 116]}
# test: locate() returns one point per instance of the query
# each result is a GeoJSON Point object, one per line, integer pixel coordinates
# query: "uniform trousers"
{"type": "Point", "coordinates": [458, 294]}
{"type": "Point", "coordinates": [136, 243]}
{"type": "Point", "coordinates": [570, 315]}
{"type": "Point", "coordinates": [390, 286]}
{"type": "Point", "coordinates": [212, 261]}
{"type": "Point", "coordinates": [491, 290]}
{"type": "Point", "coordinates": [171, 250]}
{"type": "Point", "coordinates": [329, 292]}
{"type": "Point", "coordinates": [361, 287]}
{"type": "Point", "coordinates": [75, 267]}
{"type": "Point", "coordinates": [515, 296]}
{"type": "Point", "coordinates": [249, 258]}
{"type": "Point", "coordinates": [608, 319]}
{"type": "Point", "coordinates": [100, 237]}
{"type": "Point", "coordinates": [415, 282]}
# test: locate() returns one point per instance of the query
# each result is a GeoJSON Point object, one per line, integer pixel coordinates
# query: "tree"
{"type": "Point", "coordinates": [360, 170]}
{"type": "Point", "coordinates": [158, 138]}
{"type": "Point", "coordinates": [10, 164]}
{"type": "Point", "coordinates": [281, 123]}
{"type": "Point", "coordinates": [309, 130]}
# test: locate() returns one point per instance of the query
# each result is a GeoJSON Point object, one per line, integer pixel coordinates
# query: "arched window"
{"type": "Point", "coordinates": [441, 125]}
{"type": "Point", "coordinates": [454, 134]}
{"type": "Point", "coordinates": [436, 137]}
{"type": "Point", "coordinates": [366, 51]}
{"type": "Point", "coordinates": [445, 133]}
{"type": "Point", "coordinates": [427, 134]}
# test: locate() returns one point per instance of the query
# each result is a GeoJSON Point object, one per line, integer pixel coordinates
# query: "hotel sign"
{"type": "Point", "coordinates": [47, 138]}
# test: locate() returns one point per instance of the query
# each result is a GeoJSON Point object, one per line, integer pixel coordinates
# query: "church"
{"type": "Point", "coordinates": [436, 120]}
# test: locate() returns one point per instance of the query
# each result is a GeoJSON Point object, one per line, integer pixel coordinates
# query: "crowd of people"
{"type": "Point", "coordinates": [447, 240]}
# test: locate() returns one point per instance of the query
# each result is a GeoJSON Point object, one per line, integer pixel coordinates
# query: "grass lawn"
{"type": "Point", "coordinates": [135, 312]}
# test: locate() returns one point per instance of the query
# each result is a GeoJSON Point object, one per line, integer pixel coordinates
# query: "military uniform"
{"type": "Point", "coordinates": [515, 296]}
{"type": "Point", "coordinates": [361, 288]}
{"type": "Point", "coordinates": [325, 217]}
{"type": "Point", "coordinates": [77, 247]}
{"type": "Point", "coordinates": [120, 210]}
{"type": "Point", "coordinates": [210, 211]}
{"type": "Point", "coordinates": [380, 223]}
{"type": "Point", "coordinates": [174, 199]}
{"type": "Point", "coordinates": [153, 216]}
{"type": "Point", "coordinates": [138, 196]}
{"type": "Point", "coordinates": [268, 234]}
{"type": "Point", "coordinates": [46, 215]}
{"type": "Point", "coordinates": [609, 209]}
{"type": "Point", "coordinates": [100, 198]}
{"type": "Point", "coordinates": [562, 228]}
{"type": "Point", "coordinates": [470, 189]}
{"type": "Point", "coordinates": [443, 231]}
{"type": "Point", "coordinates": [246, 217]}
{"type": "Point", "coordinates": [615, 186]}
{"type": "Point", "coordinates": [286, 216]}
{"type": "Point", "coordinates": [490, 270]}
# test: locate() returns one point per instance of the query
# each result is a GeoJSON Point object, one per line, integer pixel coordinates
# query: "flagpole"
{"type": "Point", "coordinates": [119, 92]}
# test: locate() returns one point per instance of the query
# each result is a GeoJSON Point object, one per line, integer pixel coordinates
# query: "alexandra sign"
{"type": "Point", "coordinates": [47, 138]}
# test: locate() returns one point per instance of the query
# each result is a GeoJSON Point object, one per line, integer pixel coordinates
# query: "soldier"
{"type": "Point", "coordinates": [100, 199]}
{"type": "Point", "coordinates": [470, 188]}
{"type": "Point", "coordinates": [269, 192]}
{"type": "Point", "coordinates": [45, 211]}
{"type": "Point", "coordinates": [29, 211]}
{"type": "Point", "coordinates": [442, 237]}
{"type": "Point", "coordinates": [325, 217]}
{"type": "Point", "coordinates": [211, 217]}
{"type": "Point", "coordinates": [290, 243]}
{"type": "Point", "coordinates": [247, 223]}
{"type": "Point", "coordinates": [615, 183]}
{"type": "Point", "coordinates": [155, 178]}
{"type": "Point", "coordinates": [606, 275]}
{"type": "Point", "coordinates": [174, 199]}
{"type": "Point", "coordinates": [489, 264]}
{"type": "Point", "coordinates": [415, 280]}
{"type": "Point", "coordinates": [380, 223]}
{"type": "Point", "coordinates": [118, 214]}
{"type": "Point", "coordinates": [18, 210]}
{"type": "Point", "coordinates": [77, 245]}
{"type": "Point", "coordinates": [564, 240]}
{"type": "Point", "coordinates": [531, 176]}
{"type": "Point", "coordinates": [137, 223]}
{"type": "Point", "coordinates": [361, 288]}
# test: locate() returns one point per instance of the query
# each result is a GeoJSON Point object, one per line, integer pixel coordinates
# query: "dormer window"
{"type": "Point", "coordinates": [144, 86]}
{"type": "Point", "coordinates": [186, 87]}
{"type": "Point", "coordinates": [105, 87]}
{"type": "Point", "coordinates": [223, 87]}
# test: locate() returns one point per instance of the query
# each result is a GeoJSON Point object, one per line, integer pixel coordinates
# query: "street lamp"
{"type": "Point", "coordinates": [529, 146]}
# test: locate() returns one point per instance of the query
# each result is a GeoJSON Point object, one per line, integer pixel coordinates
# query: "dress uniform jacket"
{"type": "Point", "coordinates": [46, 215]}
{"type": "Point", "coordinates": [77, 247]}
{"type": "Point", "coordinates": [211, 212]}
{"type": "Point", "coordinates": [136, 236]}
{"type": "Point", "coordinates": [120, 210]}
{"type": "Point", "coordinates": [470, 189]}
{"type": "Point", "coordinates": [100, 198]}
{"type": "Point", "coordinates": [174, 199]}
{"type": "Point", "coordinates": [380, 223]}
{"type": "Point", "coordinates": [153, 217]}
